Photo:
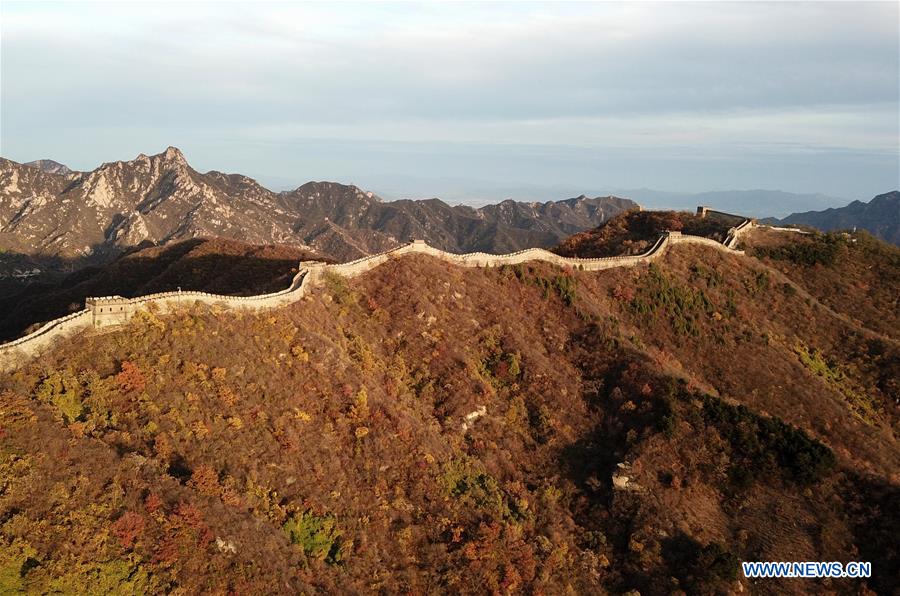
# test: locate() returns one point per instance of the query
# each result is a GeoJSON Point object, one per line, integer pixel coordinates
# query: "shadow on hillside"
{"type": "Point", "coordinates": [210, 265]}
{"type": "Point", "coordinates": [872, 508]}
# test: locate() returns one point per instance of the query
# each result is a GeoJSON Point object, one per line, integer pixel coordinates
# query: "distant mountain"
{"type": "Point", "coordinates": [49, 166]}
{"type": "Point", "coordinates": [880, 216]}
{"type": "Point", "coordinates": [753, 203]}
{"type": "Point", "coordinates": [159, 199]}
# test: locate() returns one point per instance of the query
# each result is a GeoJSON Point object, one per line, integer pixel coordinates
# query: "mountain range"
{"type": "Point", "coordinates": [758, 202]}
{"type": "Point", "coordinates": [47, 209]}
{"type": "Point", "coordinates": [880, 216]}
{"type": "Point", "coordinates": [752, 203]}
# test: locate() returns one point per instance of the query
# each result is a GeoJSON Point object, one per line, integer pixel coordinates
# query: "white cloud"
{"type": "Point", "coordinates": [773, 77]}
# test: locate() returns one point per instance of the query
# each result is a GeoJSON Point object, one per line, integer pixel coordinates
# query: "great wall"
{"type": "Point", "coordinates": [103, 312]}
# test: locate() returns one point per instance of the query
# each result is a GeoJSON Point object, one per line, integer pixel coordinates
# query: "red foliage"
{"type": "Point", "coordinates": [502, 371]}
{"type": "Point", "coordinates": [187, 533]}
{"type": "Point", "coordinates": [152, 503]}
{"type": "Point", "coordinates": [166, 551]}
{"type": "Point", "coordinates": [127, 528]}
{"type": "Point", "coordinates": [187, 514]}
{"type": "Point", "coordinates": [623, 293]}
{"type": "Point", "coordinates": [131, 378]}
{"type": "Point", "coordinates": [231, 496]}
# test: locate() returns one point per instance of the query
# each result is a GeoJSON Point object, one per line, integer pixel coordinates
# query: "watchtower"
{"type": "Point", "coordinates": [109, 310]}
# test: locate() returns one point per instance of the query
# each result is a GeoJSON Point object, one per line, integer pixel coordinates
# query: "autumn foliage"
{"type": "Point", "coordinates": [426, 428]}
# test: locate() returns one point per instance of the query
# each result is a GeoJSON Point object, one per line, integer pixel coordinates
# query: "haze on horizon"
{"type": "Point", "coordinates": [467, 102]}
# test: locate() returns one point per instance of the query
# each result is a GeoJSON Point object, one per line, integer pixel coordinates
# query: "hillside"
{"type": "Point", "coordinates": [880, 217]}
{"type": "Point", "coordinates": [856, 274]}
{"type": "Point", "coordinates": [634, 231]}
{"type": "Point", "coordinates": [426, 428]}
{"type": "Point", "coordinates": [90, 217]}
{"type": "Point", "coordinates": [212, 265]}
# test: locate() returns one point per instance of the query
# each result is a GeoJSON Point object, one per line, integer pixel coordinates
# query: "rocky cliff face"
{"type": "Point", "coordinates": [160, 198]}
{"type": "Point", "coordinates": [120, 204]}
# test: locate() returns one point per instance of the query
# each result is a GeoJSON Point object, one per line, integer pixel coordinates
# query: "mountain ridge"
{"type": "Point", "coordinates": [880, 216]}
{"type": "Point", "coordinates": [49, 166]}
{"type": "Point", "coordinates": [160, 198]}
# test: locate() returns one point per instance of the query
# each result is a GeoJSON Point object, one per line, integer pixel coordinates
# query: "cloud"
{"type": "Point", "coordinates": [769, 77]}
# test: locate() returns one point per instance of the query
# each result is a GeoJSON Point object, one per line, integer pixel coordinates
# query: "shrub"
{"type": "Point", "coordinates": [361, 352]}
{"type": "Point", "coordinates": [540, 421]}
{"type": "Point", "coordinates": [318, 536]}
{"type": "Point", "coordinates": [127, 528]}
{"type": "Point", "coordinates": [205, 480]}
{"type": "Point", "coordinates": [360, 409]}
{"type": "Point", "coordinates": [472, 487]}
{"type": "Point", "coordinates": [668, 420]}
{"type": "Point", "coordinates": [63, 391]}
{"type": "Point", "coordinates": [759, 443]}
{"type": "Point", "coordinates": [131, 378]}
{"type": "Point", "coordinates": [712, 277]}
{"type": "Point", "coordinates": [863, 404]}
{"type": "Point", "coordinates": [498, 367]}
{"type": "Point", "coordinates": [118, 576]}
{"type": "Point", "coordinates": [563, 285]}
{"type": "Point", "coordinates": [758, 283]}
{"type": "Point", "coordinates": [821, 249]}
{"type": "Point", "coordinates": [336, 285]}
{"type": "Point", "coordinates": [658, 295]}
{"type": "Point", "coordinates": [700, 569]}
{"type": "Point", "coordinates": [15, 563]}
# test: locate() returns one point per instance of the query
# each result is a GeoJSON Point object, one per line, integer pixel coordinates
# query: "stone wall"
{"type": "Point", "coordinates": [38, 341]}
{"type": "Point", "coordinates": [115, 310]}
{"type": "Point", "coordinates": [481, 259]}
{"type": "Point", "coordinates": [704, 211]}
{"type": "Point", "coordinates": [735, 233]}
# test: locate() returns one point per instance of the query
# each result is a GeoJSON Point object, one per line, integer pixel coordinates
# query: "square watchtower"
{"type": "Point", "coordinates": [109, 310]}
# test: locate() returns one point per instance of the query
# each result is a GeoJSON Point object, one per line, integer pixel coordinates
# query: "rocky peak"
{"type": "Point", "coordinates": [173, 155]}
{"type": "Point", "coordinates": [170, 159]}
{"type": "Point", "coordinates": [49, 166]}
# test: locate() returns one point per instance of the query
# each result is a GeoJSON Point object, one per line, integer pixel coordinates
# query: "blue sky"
{"type": "Point", "coordinates": [466, 101]}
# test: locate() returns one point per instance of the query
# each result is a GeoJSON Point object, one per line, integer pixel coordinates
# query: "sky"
{"type": "Point", "coordinates": [467, 102]}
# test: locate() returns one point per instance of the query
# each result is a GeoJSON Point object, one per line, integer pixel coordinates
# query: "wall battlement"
{"type": "Point", "coordinates": [106, 311]}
